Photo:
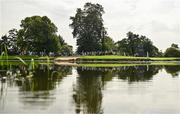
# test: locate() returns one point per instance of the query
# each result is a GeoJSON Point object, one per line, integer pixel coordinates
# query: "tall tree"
{"type": "Point", "coordinates": [88, 28]}
{"type": "Point", "coordinates": [38, 34]}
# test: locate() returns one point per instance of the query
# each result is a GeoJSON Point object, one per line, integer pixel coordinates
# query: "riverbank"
{"type": "Point", "coordinates": [105, 59]}
{"type": "Point", "coordinates": [114, 61]}
{"type": "Point", "coordinates": [125, 58]}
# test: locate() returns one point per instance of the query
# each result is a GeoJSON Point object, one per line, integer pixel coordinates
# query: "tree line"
{"type": "Point", "coordinates": [38, 36]}
{"type": "Point", "coordinates": [92, 37]}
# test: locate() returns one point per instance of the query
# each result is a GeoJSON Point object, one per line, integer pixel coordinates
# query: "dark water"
{"type": "Point", "coordinates": [83, 90]}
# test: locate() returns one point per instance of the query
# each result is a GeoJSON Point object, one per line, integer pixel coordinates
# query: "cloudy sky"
{"type": "Point", "coordinates": [157, 19]}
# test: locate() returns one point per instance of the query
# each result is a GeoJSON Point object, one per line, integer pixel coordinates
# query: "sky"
{"type": "Point", "coordinates": [159, 20]}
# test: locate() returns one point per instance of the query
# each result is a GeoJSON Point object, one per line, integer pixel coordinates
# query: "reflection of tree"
{"type": "Point", "coordinates": [138, 73]}
{"type": "Point", "coordinates": [36, 89]}
{"type": "Point", "coordinates": [88, 95]}
{"type": "Point", "coordinates": [45, 78]}
{"type": "Point", "coordinates": [173, 70]}
{"type": "Point", "coordinates": [3, 94]}
{"type": "Point", "coordinates": [130, 73]}
{"type": "Point", "coordinates": [35, 85]}
{"type": "Point", "coordinates": [42, 78]}
{"type": "Point", "coordinates": [88, 90]}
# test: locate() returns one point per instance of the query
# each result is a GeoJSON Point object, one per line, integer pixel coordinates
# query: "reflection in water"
{"type": "Point", "coordinates": [130, 73]}
{"type": "Point", "coordinates": [87, 92]}
{"type": "Point", "coordinates": [138, 73]}
{"type": "Point", "coordinates": [34, 85]}
{"type": "Point", "coordinates": [40, 85]}
{"type": "Point", "coordinates": [173, 70]}
{"type": "Point", "coordinates": [36, 88]}
{"type": "Point", "coordinates": [45, 79]}
{"type": "Point", "coordinates": [90, 83]}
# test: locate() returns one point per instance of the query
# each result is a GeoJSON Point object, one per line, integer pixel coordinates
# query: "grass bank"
{"type": "Point", "coordinates": [118, 61]}
{"type": "Point", "coordinates": [125, 58]}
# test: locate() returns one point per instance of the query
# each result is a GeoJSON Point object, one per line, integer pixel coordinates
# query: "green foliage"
{"type": "Point", "coordinates": [4, 41]}
{"type": "Point", "coordinates": [38, 34]}
{"type": "Point", "coordinates": [135, 45]}
{"type": "Point", "coordinates": [9, 41]}
{"type": "Point", "coordinates": [108, 44]}
{"type": "Point", "coordinates": [65, 50]}
{"type": "Point", "coordinates": [20, 59]}
{"type": "Point", "coordinates": [174, 45]}
{"type": "Point", "coordinates": [173, 51]}
{"type": "Point", "coordinates": [88, 28]}
{"type": "Point", "coordinates": [4, 55]}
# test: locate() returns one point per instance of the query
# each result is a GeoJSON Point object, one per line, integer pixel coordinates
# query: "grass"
{"type": "Point", "coordinates": [34, 60]}
{"type": "Point", "coordinates": [6, 60]}
{"type": "Point", "coordinates": [165, 58]}
{"type": "Point", "coordinates": [170, 61]}
{"type": "Point", "coordinates": [116, 57]}
{"type": "Point", "coordinates": [30, 61]}
{"type": "Point", "coordinates": [24, 57]}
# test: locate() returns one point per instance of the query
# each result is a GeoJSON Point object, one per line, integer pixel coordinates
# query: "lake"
{"type": "Point", "coordinates": [56, 89]}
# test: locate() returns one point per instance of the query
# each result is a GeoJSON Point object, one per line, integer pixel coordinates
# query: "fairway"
{"type": "Point", "coordinates": [116, 57]}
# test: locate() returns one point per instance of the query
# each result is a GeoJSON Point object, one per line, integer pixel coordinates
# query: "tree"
{"type": "Point", "coordinates": [61, 40]}
{"type": "Point", "coordinates": [123, 47]}
{"type": "Point", "coordinates": [132, 39]}
{"type": "Point", "coordinates": [38, 34]}
{"type": "Point", "coordinates": [4, 42]}
{"type": "Point", "coordinates": [174, 45]}
{"type": "Point", "coordinates": [172, 51]}
{"type": "Point", "coordinates": [136, 45]}
{"type": "Point", "coordinates": [65, 50]}
{"type": "Point", "coordinates": [9, 42]}
{"type": "Point", "coordinates": [13, 49]}
{"type": "Point", "coordinates": [108, 44]}
{"type": "Point", "coordinates": [88, 28]}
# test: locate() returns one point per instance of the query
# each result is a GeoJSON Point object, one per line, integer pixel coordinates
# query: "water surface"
{"type": "Point", "coordinates": [82, 90]}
